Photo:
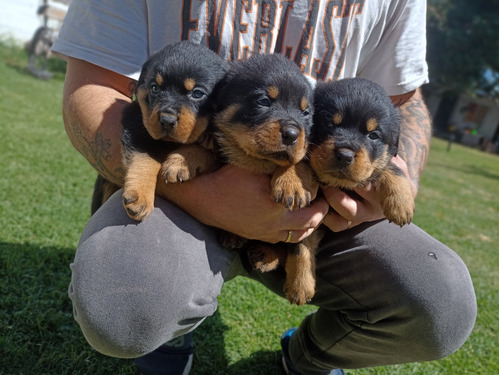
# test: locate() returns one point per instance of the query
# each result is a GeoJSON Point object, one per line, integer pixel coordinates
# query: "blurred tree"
{"type": "Point", "coordinates": [462, 46]}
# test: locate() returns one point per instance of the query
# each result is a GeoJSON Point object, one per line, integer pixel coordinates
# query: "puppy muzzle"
{"type": "Point", "coordinates": [289, 133]}
{"type": "Point", "coordinates": [344, 157]}
{"type": "Point", "coordinates": [168, 118]}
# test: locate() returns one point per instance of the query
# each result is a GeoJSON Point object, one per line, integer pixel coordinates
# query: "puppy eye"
{"type": "Point", "coordinates": [197, 94]}
{"type": "Point", "coordinates": [154, 89]}
{"type": "Point", "coordinates": [306, 113]}
{"type": "Point", "coordinates": [264, 102]}
{"type": "Point", "coordinates": [373, 136]}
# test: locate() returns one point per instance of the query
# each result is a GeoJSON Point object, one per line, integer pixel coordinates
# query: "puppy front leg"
{"type": "Point", "coordinates": [396, 196]}
{"type": "Point", "coordinates": [186, 162]}
{"type": "Point", "coordinates": [140, 183]}
{"type": "Point", "coordinates": [300, 269]}
{"type": "Point", "coordinates": [294, 186]}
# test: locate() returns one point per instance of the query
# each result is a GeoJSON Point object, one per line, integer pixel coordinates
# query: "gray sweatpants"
{"type": "Point", "coordinates": [385, 294]}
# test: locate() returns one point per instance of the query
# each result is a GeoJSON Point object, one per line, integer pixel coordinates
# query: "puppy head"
{"type": "Point", "coordinates": [174, 91]}
{"type": "Point", "coordinates": [264, 111]}
{"type": "Point", "coordinates": [355, 132]}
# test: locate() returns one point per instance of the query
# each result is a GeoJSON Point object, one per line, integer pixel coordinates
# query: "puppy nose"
{"type": "Point", "coordinates": [289, 134]}
{"type": "Point", "coordinates": [168, 117]}
{"type": "Point", "coordinates": [344, 156]}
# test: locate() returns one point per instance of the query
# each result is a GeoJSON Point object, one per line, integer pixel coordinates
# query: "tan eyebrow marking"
{"type": "Point", "coordinates": [273, 92]}
{"type": "Point", "coordinates": [159, 79]}
{"type": "Point", "coordinates": [337, 118]}
{"type": "Point", "coordinates": [189, 84]}
{"type": "Point", "coordinates": [371, 124]}
{"type": "Point", "coordinates": [303, 103]}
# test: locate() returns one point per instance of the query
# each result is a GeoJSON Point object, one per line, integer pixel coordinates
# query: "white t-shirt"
{"type": "Point", "coordinates": [380, 40]}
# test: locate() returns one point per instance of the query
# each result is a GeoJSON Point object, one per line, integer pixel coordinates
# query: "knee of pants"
{"type": "Point", "coordinates": [128, 325]}
{"type": "Point", "coordinates": [398, 296]}
{"type": "Point", "coordinates": [429, 320]}
{"type": "Point", "coordinates": [136, 286]}
{"type": "Point", "coordinates": [440, 324]}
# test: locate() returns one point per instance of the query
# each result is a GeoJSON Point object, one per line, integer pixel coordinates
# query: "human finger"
{"type": "Point", "coordinates": [301, 223]}
{"type": "Point", "coordinates": [337, 223]}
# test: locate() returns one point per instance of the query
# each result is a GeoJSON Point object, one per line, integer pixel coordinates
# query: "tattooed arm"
{"type": "Point", "coordinates": [416, 131]}
{"type": "Point", "coordinates": [93, 102]}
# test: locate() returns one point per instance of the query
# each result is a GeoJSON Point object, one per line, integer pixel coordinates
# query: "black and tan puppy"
{"type": "Point", "coordinates": [165, 127]}
{"type": "Point", "coordinates": [354, 137]}
{"type": "Point", "coordinates": [263, 122]}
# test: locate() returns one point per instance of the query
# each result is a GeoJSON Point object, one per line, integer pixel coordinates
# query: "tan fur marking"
{"type": "Point", "coordinates": [159, 79]}
{"type": "Point", "coordinates": [303, 104]}
{"type": "Point", "coordinates": [267, 257]}
{"type": "Point", "coordinates": [396, 196]}
{"type": "Point", "coordinates": [189, 84]}
{"type": "Point", "coordinates": [139, 187]}
{"type": "Point", "coordinates": [371, 124]}
{"type": "Point", "coordinates": [362, 168]}
{"type": "Point", "coordinates": [337, 118]}
{"type": "Point", "coordinates": [190, 127]}
{"type": "Point", "coordinates": [273, 92]}
{"type": "Point", "coordinates": [152, 122]}
{"type": "Point", "coordinates": [258, 149]}
{"type": "Point", "coordinates": [321, 160]}
{"type": "Point", "coordinates": [187, 162]}
{"type": "Point", "coordinates": [300, 269]}
{"type": "Point", "coordinates": [294, 186]}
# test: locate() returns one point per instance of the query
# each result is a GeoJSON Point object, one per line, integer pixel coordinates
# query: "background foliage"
{"type": "Point", "coordinates": [462, 51]}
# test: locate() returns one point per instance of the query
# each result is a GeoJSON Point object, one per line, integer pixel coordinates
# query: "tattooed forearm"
{"type": "Point", "coordinates": [97, 152]}
{"type": "Point", "coordinates": [416, 131]}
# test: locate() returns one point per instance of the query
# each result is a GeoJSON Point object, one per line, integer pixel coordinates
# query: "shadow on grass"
{"type": "Point", "coordinates": [262, 363]}
{"type": "Point", "coordinates": [39, 336]}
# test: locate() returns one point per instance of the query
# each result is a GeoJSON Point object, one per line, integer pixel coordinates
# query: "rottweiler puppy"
{"type": "Point", "coordinates": [354, 137]}
{"type": "Point", "coordinates": [165, 130]}
{"type": "Point", "coordinates": [262, 123]}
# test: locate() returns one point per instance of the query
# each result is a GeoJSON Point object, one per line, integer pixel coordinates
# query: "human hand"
{"type": "Point", "coordinates": [348, 209]}
{"type": "Point", "coordinates": [238, 201]}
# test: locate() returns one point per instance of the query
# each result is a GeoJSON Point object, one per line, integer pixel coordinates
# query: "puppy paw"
{"type": "Point", "coordinates": [292, 197]}
{"type": "Point", "coordinates": [231, 241]}
{"type": "Point", "coordinates": [138, 206]}
{"type": "Point", "coordinates": [176, 169]}
{"type": "Point", "coordinates": [399, 210]}
{"type": "Point", "coordinates": [294, 187]}
{"type": "Point", "coordinates": [265, 257]}
{"type": "Point", "coordinates": [301, 290]}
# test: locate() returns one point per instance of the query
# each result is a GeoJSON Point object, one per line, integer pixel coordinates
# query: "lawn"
{"type": "Point", "coordinates": [45, 190]}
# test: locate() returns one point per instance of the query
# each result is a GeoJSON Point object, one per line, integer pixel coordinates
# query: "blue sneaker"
{"type": "Point", "coordinates": [285, 358]}
{"type": "Point", "coordinates": [172, 358]}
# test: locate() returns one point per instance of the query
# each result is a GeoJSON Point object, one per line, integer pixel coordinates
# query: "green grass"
{"type": "Point", "coordinates": [45, 190]}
